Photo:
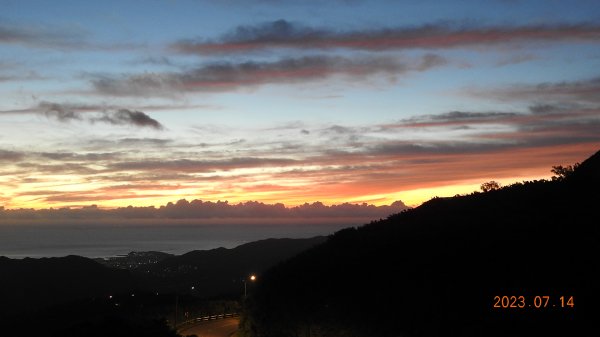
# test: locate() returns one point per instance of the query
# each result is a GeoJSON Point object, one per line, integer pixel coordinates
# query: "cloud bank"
{"type": "Point", "coordinates": [198, 210]}
{"type": "Point", "coordinates": [285, 34]}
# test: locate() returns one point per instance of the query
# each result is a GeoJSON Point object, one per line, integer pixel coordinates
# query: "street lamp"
{"type": "Point", "coordinates": [177, 304]}
{"type": "Point", "coordinates": [252, 278]}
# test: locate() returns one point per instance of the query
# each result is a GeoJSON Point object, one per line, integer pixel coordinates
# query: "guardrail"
{"type": "Point", "coordinates": [206, 318]}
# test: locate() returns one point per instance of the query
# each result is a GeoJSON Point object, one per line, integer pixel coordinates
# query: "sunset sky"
{"type": "Point", "coordinates": [118, 103]}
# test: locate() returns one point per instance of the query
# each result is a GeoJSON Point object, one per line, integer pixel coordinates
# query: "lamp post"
{"type": "Point", "coordinates": [252, 278]}
{"type": "Point", "coordinates": [177, 304]}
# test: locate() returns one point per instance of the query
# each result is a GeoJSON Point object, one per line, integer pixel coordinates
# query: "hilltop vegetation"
{"type": "Point", "coordinates": [435, 270]}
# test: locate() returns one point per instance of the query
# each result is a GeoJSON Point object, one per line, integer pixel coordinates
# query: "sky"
{"type": "Point", "coordinates": [142, 103]}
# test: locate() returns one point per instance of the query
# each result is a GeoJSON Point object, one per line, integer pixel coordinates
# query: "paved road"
{"type": "Point", "coordinates": [218, 328]}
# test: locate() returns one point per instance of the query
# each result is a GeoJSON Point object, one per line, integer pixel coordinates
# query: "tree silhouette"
{"type": "Point", "coordinates": [490, 186]}
{"type": "Point", "coordinates": [562, 172]}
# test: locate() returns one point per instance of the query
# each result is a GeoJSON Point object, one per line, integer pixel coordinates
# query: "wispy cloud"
{"type": "Point", "coordinates": [41, 36]}
{"type": "Point", "coordinates": [29, 76]}
{"type": "Point", "coordinates": [452, 118]}
{"type": "Point", "coordinates": [70, 156]}
{"type": "Point", "coordinates": [70, 38]}
{"type": "Point", "coordinates": [285, 34]}
{"type": "Point", "coordinates": [76, 169]}
{"type": "Point", "coordinates": [225, 76]}
{"type": "Point", "coordinates": [10, 156]}
{"type": "Point", "coordinates": [66, 112]}
{"type": "Point", "coordinates": [516, 59]}
{"type": "Point", "coordinates": [573, 92]}
{"type": "Point", "coordinates": [188, 165]}
{"type": "Point", "coordinates": [128, 117]}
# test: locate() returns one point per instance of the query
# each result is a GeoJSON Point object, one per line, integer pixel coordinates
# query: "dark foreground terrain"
{"type": "Point", "coordinates": [516, 261]}
{"type": "Point", "coordinates": [76, 296]}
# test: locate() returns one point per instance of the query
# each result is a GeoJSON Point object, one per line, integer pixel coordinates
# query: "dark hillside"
{"type": "Point", "coordinates": [221, 271]}
{"type": "Point", "coordinates": [435, 270]}
{"type": "Point", "coordinates": [30, 284]}
{"type": "Point", "coordinates": [76, 296]}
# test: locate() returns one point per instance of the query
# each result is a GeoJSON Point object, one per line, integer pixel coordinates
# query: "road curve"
{"type": "Point", "coordinates": [217, 328]}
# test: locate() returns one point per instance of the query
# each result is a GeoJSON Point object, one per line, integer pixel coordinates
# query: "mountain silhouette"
{"type": "Point", "coordinates": [441, 268]}
{"type": "Point", "coordinates": [30, 284]}
{"type": "Point", "coordinates": [73, 295]}
{"type": "Point", "coordinates": [222, 271]}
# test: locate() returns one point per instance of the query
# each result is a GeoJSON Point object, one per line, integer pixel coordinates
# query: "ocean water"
{"type": "Point", "coordinates": [110, 240]}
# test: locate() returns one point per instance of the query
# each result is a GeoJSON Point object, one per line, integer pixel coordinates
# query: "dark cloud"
{"type": "Point", "coordinates": [128, 117]}
{"type": "Point", "coordinates": [160, 60]}
{"type": "Point", "coordinates": [433, 147]}
{"type": "Point", "coordinates": [62, 168]}
{"type": "Point", "coordinates": [431, 61]}
{"type": "Point", "coordinates": [65, 112]}
{"type": "Point", "coordinates": [70, 156]}
{"type": "Point", "coordinates": [225, 76]}
{"type": "Point", "coordinates": [144, 85]}
{"type": "Point", "coordinates": [452, 119]}
{"type": "Point", "coordinates": [515, 59]}
{"type": "Point", "coordinates": [540, 109]}
{"type": "Point", "coordinates": [284, 34]}
{"type": "Point", "coordinates": [276, 31]}
{"type": "Point", "coordinates": [151, 176]}
{"type": "Point", "coordinates": [144, 141]}
{"type": "Point", "coordinates": [70, 38]}
{"type": "Point", "coordinates": [559, 93]}
{"type": "Point", "coordinates": [7, 156]}
{"type": "Point", "coordinates": [188, 165]}
{"type": "Point", "coordinates": [84, 197]}
{"type": "Point", "coordinates": [30, 76]}
{"type": "Point", "coordinates": [60, 111]}
{"type": "Point", "coordinates": [243, 38]}
{"type": "Point", "coordinates": [467, 115]}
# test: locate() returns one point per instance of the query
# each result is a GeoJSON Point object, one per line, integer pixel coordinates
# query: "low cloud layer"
{"type": "Point", "coordinates": [285, 34]}
{"type": "Point", "coordinates": [199, 210]}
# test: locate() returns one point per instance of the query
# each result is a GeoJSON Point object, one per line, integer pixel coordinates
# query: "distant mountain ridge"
{"type": "Point", "coordinates": [436, 269]}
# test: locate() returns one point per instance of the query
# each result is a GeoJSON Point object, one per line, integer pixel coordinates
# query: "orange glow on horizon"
{"type": "Point", "coordinates": [412, 179]}
{"type": "Point", "coordinates": [411, 197]}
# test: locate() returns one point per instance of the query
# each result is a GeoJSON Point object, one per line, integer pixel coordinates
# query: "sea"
{"type": "Point", "coordinates": [101, 241]}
